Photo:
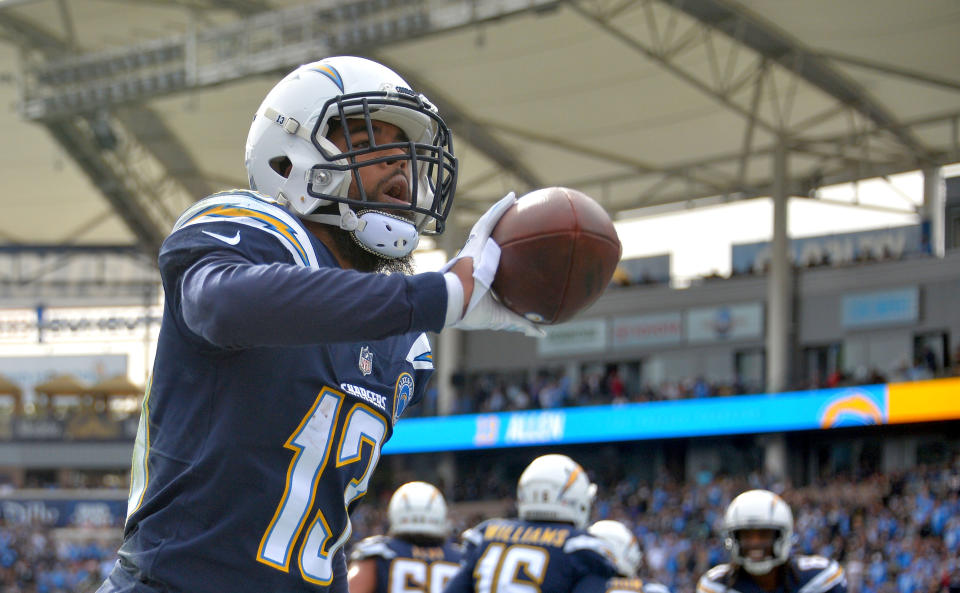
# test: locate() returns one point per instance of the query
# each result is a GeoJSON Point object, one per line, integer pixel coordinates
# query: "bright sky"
{"type": "Point", "coordinates": [700, 240]}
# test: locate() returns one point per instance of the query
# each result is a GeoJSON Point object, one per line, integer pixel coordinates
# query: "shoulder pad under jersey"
{"type": "Point", "coordinates": [256, 211]}
{"type": "Point", "coordinates": [472, 536]}
{"type": "Point", "coordinates": [819, 574]}
{"type": "Point", "coordinates": [421, 353]}
{"type": "Point", "coordinates": [711, 581]}
{"type": "Point", "coordinates": [585, 541]}
{"type": "Point", "coordinates": [372, 547]}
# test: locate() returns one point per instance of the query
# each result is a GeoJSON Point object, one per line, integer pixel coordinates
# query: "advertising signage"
{"type": "Point", "coordinates": [745, 414]}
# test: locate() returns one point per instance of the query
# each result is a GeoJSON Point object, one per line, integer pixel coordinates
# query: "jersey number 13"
{"type": "Point", "coordinates": [312, 443]}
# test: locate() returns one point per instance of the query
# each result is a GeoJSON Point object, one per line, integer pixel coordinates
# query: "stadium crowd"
{"type": "Point", "coordinates": [497, 392]}
{"type": "Point", "coordinates": [34, 560]}
{"type": "Point", "coordinates": [893, 533]}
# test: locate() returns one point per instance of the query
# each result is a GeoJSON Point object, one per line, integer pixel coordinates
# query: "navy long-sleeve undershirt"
{"type": "Point", "coordinates": [234, 303]}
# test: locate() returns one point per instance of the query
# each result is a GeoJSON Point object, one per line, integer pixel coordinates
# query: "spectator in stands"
{"type": "Point", "coordinates": [550, 390]}
{"type": "Point", "coordinates": [615, 386]}
{"type": "Point", "coordinates": [955, 362]}
{"type": "Point", "coordinates": [518, 397]}
{"type": "Point", "coordinates": [32, 559]}
{"type": "Point", "coordinates": [930, 360]}
{"type": "Point", "coordinates": [870, 523]}
{"type": "Point", "coordinates": [700, 388]}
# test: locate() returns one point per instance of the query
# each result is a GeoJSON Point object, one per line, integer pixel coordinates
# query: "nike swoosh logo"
{"type": "Point", "coordinates": [228, 240]}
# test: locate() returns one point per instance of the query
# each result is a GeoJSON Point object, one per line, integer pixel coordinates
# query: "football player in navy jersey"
{"type": "Point", "coordinates": [547, 548]}
{"type": "Point", "coordinates": [416, 555]}
{"type": "Point", "coordinates": [758, 533]}
{"type": "Point", "coordinates": [284, 359]}
{"type": "Point", "coordinates": [627, 558]}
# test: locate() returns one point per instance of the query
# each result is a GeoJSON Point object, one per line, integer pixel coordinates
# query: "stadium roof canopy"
{"type": "Point", "coordinates": [120, 113]}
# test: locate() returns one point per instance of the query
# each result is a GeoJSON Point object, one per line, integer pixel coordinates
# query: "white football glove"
{"type": "Point", "coordinates": [483, 310]}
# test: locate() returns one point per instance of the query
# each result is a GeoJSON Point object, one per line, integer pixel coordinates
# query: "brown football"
{"type": "Point", "coordinates": [559, 250]}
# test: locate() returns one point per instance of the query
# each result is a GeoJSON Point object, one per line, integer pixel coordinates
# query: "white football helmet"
{"type": "Point", "coordinates": [418, 508]}
{"type": "Point", "coordinates": [555, 488]}
{"type": "Point", "coordinates": [758, 509]}
{"type": "Point", "coordinates": [623, 544]}
{"type": "Point", "coordinates": [289, 157]}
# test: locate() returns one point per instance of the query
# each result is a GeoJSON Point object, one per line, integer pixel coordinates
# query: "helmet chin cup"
{"type": "Point", "coordinates": [386, 235]}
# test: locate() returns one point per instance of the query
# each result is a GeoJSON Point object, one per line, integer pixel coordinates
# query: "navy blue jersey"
{"type": "Point", "coordinates": [809, 574]}
{"type": "Point", "coordinates": [403, 567]}
{"type": "Point", "coordinates": [505, 555]}
{"type": "Point", "coordinates": [271, 396]}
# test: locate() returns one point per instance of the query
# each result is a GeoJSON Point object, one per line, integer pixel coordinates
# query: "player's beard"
{"type": "Point", "coordinates": [364, 260]}
{"type": "Point", "coordinates": [359, 257]}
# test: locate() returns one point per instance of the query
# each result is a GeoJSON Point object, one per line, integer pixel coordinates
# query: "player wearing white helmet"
{"type": "Point", "coordinates": [283, 363]}
{"type": "Point", "coordinates": [547, 548]}
{"type": "Point", "coordinates": [627, 557]}
{"type": "Point", "coordinates": [415, 555]}
{"type": "Point", "coordinates": [757, 530]}
{"type": "Point", "coordinates": [328, 126]}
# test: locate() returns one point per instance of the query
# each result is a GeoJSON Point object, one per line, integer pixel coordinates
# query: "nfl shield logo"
{"type": "Point", "coordinates": [366, 360]}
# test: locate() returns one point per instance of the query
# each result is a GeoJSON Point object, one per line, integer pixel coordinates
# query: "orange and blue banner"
{"type": "Point", "coordinates": [923, 401]}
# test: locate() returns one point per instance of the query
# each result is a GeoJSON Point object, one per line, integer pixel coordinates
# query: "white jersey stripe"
{"type": "Point", "coordinates": [421, 353]}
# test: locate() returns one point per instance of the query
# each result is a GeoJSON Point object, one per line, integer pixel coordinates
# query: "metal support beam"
{"type": "Point", "coordinates": [25, 34]}
{"type": "Point", "coordinates": [153, 134]}
{"type": "Point", "coordinates": [260, 44]}
{"type": "Point", "coordinates": [67, 19]}
{"type": "Point", "coordinates": [115, 181]}
{"type": "Point", "coordinates": [764, 38]}
{"type": "Point", "coordinates": [921, 77]}
{"type": "Point", "coordinates": [64, 275]}
{"type": "Point", "coordinates": [934, 208]}
{"type": "Point", "coordinates": [779, 283]}
{"type": "Point", "coordinates": [748, 134]}
{"type": "Point", "coordinates": [700, 180]}
{"type": "Point", "coordinates": [665, 56]}
{"type": "Point", "coordinates": [838, 170]}
{"type": "Point", "coordinates": [147, 203]}
{"type": "Point", "coordinates": [242, 6]}
{"type": "Point", "coordinates": [275, 40]}
{"type": "Point", "coordinates": [768, 107]}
